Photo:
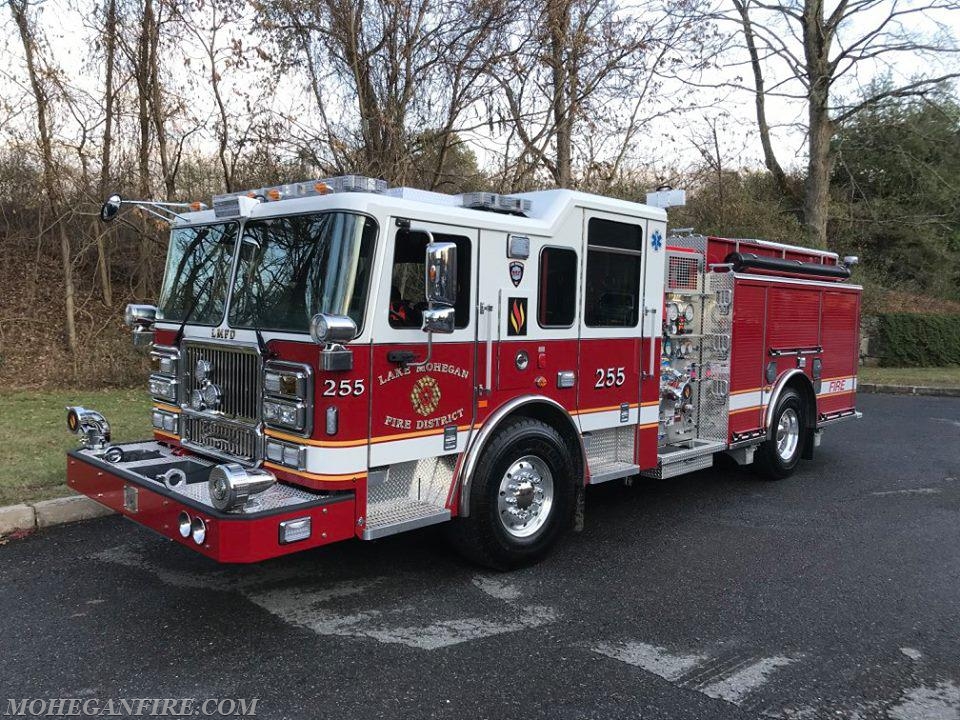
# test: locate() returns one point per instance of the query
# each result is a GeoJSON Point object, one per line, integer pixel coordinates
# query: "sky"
{"type": "Point", "coordinates": [669, 141]}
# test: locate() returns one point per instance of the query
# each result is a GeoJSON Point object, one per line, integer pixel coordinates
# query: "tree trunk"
{"type": "Point", "coordinates": [18, 9]}
{"type": "Point", "coordinates": [816, 211]}
{"type": "Point", "coordinates": [110, 47]}
{"type": "Point", "coordinates": [760, 97]}
{"type": "Point", "coordinates": [816, 43]}
{"type": "Point", "coordinates": [142, 77]}
{"type": "Point", "coordinates": [564, 84]}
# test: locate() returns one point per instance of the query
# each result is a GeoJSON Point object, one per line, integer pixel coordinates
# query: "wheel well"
{"type": "Point", "coordinates": [801, 384]}
{"type": "Point", "coordinates": [543, 409]}
{"type": "Point", "coordinates": [560, 421]}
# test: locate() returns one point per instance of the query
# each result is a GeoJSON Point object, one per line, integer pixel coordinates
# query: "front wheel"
{"type": "Point", "coordinates": [779, 455]}
{"type": "Point", "coordinates": [521, 498]}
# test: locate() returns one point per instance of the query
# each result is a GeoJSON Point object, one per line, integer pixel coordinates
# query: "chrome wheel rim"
{"type": "Point", "coordinates": [788, 434]}
{"type": "Point", "coordinates": [525, 496]}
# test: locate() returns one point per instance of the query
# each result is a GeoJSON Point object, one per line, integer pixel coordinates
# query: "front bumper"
{"type": "Point", "coordinates": [130, 487]}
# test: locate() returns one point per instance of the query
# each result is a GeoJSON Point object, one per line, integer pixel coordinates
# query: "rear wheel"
{"type": "Point", "coordinates": [521, 497]}
{"type": "Point", "coordinates": [778, 456]}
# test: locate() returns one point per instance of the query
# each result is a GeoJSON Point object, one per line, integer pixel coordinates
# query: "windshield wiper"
{"type": "Point", "coordinates": [189, 313]}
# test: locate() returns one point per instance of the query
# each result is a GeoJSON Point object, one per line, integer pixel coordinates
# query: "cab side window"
{"type": "Point", "coordinates": [612, 292]}
{"type": "Point", "coordinates": [557, 296]}
{"type": "Point", "coordinates": [407, 291]}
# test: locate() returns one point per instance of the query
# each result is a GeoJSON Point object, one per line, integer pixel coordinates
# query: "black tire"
{"type": "Point", "coordinates": [769, 460]}
{"type": "Point", "coordinates": [483, 537]}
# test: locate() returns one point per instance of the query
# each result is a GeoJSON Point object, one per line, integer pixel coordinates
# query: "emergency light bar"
{"type": "Point", "coordinates": [495, 202]}
{"type": "Point", "coordinates": [241, 203]}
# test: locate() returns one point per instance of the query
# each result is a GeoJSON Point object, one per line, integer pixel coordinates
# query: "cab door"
{"type": "Point", "coordinates": [422, 397]}
{"type": "Point", "coordinates": [612, 321]}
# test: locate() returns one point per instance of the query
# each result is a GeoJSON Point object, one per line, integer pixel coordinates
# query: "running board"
{"type": "Point", "coordinates": [674, 461]}
{"type": "Point", "coordinates": [604, 472]}
{"type": "Point", "coordinates": [396, 516]}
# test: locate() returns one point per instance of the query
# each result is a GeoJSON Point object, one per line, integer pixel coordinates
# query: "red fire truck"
{"type": "Point", "coordinates": [336, 359]}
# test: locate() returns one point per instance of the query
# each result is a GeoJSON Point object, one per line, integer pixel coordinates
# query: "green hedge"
{"type": "Point", "coordinates": [919, 340]}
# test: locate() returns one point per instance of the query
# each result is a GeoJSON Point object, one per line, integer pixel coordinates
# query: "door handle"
{"type": "Point", "coordinates": [653, 341]}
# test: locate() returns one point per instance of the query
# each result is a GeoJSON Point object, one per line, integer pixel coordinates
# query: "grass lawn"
{"type": "Point", "coordinates": [35, 436]}
{"type": "Point", "coordinates": [929, 377]}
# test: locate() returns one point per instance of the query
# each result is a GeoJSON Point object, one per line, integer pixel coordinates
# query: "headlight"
{"type": "Point", "coordinates": [163, 387]}
{"type": "Point", "coordinates": [292, 415]}
{"type": "Point", "coordinates": [165, 421]}
{"type": "Point", "coordinates": [287, 379]}
{"type": "Point", "coordinates": [165, 360]}
{"type": "Point", "coordinates": [183, 525]}
{"type": "Point", "coordinates": [285, 454]}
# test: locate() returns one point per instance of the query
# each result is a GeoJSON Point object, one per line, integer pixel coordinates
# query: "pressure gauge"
{"type": "Point", "coordinates": [667, 347]}
{"type": "Point", "coordinates": [688, 313]}
{"type": "Point", "coordinates": [673, 312]}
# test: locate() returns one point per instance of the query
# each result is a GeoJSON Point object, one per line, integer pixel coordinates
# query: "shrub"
{"type": "Point", "coordinates": [909, 340]}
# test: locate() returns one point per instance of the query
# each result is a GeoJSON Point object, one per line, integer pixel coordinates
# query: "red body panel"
{"type": "Point", "coordinates": [229, 540]}
{"type": "Point", "coordinates": [772, 316]}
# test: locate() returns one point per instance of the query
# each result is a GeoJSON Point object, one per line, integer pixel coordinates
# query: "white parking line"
{"type": "Point", "coordinates": [731, 678]}
{"type": "Point", "coordinates": [654, 659]}
{"type": "Point", "coordinates": [351, 609]}
{"type": "Point", "coordinates": [735, 688]}
{"type": "Point", "coordinates": [940, 702]}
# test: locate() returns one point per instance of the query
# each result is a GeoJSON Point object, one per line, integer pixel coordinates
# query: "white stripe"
{"type": "Point", "coordinates": [337, 461]}
{"type": "Point", "coordinates": [746, 400]}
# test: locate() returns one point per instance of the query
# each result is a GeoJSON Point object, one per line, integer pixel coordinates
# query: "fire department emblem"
{"type": "Point", "coordinates": [516, 273]}
{"type": "Point", "coordinates": [518, 317]}
{"type": "Point", "coordinates": [425, 396]}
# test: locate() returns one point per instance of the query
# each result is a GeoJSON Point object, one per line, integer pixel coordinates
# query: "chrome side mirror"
{"type": "Point", "coordinates": [851, 260]}
{"type": "Point", "coordinates": [439, 320]}
{"type": "Point", "coordinates": [330, 332]}
{"type": "Point", "coordinates": [140, 315]}
{"type": "Point", "coordinates": [111, 208]}
{"type": "Point", "coordinates": [141, 319]}
{"type": "Point", "coordinates": [441, 273]}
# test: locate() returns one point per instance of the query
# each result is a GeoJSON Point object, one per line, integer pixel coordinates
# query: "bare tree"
{"type": "Point", "coordinates": [39, 75]}
{"type": "Point", "coordinates": [106, 148]}
{"type": "Point", "coordinates": [815, 50]}
{"type": "Point", "coordinates": [577, 69]}
{"type": "Point", "coordinates": [400, 66]}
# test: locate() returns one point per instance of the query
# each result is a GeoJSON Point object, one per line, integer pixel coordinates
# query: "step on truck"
{"type": "Point", "coordinates": [338, 359]}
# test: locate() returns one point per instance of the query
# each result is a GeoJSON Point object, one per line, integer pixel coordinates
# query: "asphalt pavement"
{"type": "Point", "coordinates": [834, 594]}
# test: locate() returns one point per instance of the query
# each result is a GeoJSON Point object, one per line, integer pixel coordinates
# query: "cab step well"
{"type": "Point", "coordinates": [408, 495]}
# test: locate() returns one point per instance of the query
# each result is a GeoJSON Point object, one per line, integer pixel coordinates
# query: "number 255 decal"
{"type": "Point", "coordinates": [610, 377]}
{"type": "Point", "coordinates": [331, 388]}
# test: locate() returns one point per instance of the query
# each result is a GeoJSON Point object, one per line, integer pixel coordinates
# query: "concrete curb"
{"type": "Point", "coordinates": [907, 390]}
{"type": "Point", "coordinates": [27, 517]}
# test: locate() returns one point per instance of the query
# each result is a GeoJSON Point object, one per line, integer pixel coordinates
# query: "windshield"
{"type": "Point", "coordinates": [296, 266]}
{"type": "Point", "coordinates": [198, 273]}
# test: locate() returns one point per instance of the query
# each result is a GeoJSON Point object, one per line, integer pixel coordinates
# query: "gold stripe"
{"type": "Point", "coordinates": [314, 476]}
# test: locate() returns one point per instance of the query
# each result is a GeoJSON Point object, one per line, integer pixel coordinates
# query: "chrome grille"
{"type": "Point", "coordinates": [235, 370]}
{"type": "Point", "coordinates": [231, 429]}
{"type": "Point", "coordinates": [221, 437]}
